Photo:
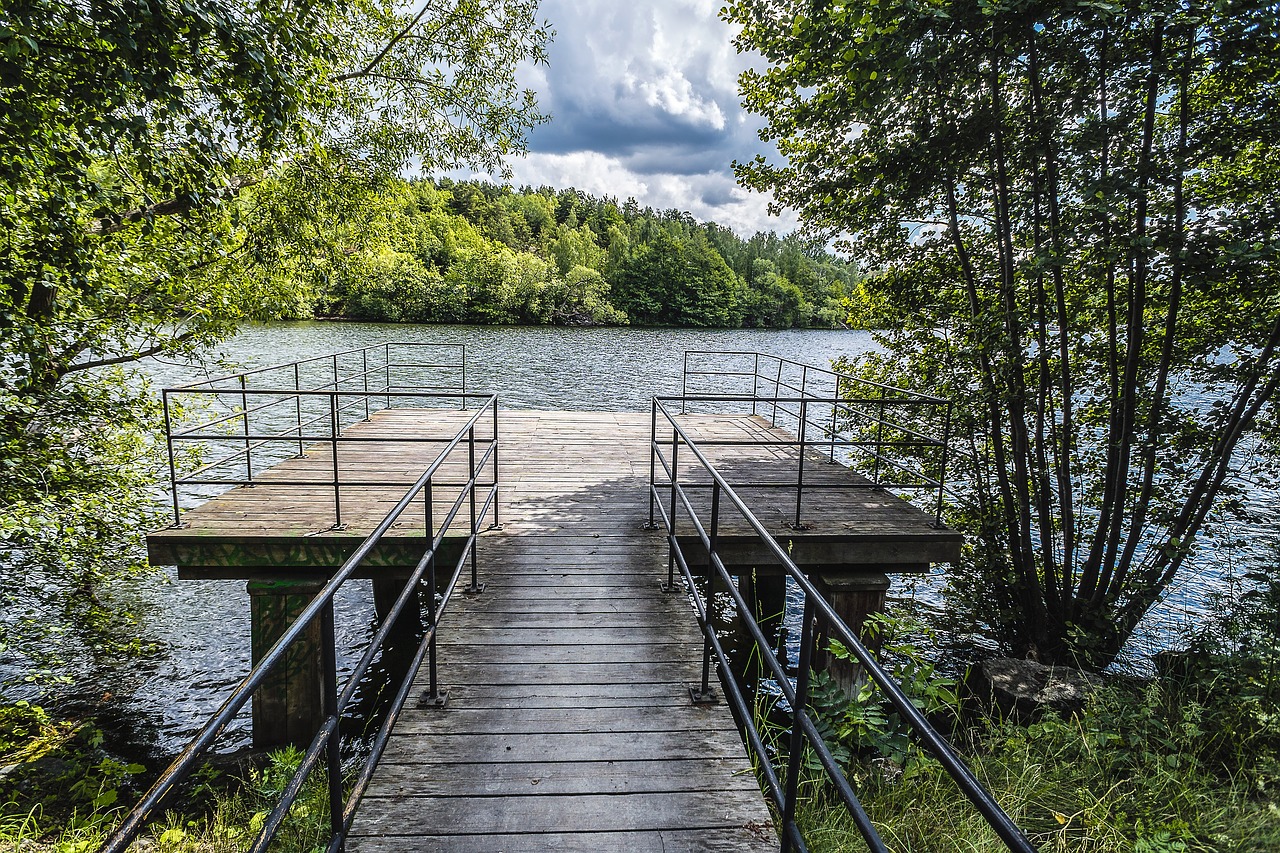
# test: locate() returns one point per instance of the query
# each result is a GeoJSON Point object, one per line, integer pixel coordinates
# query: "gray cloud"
{"type": "Point", "coordinates": [644, 103]}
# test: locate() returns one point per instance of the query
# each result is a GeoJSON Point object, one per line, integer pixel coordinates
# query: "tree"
{"type": "Point", "coordinates": [1071, 209]}
{"type": "Point", "coordinates": [133, 136]}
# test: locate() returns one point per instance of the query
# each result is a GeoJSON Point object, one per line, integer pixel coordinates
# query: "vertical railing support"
{"type": "Point", "coordinates": [942, 466]}
{"type": "Point", "coordinates": [777, 387]}
{"type": "Point", "coordinates": [297, 406]}
{"type": "Point", "coordinates": [796, 749]}
{"type": "Point", "coordinates": [804, 418]}
{"type": "Point", "coordinates": [835, 408]}
{"type": "Point", "coordinates": [244, 420]}
{"type": "Point", "coordinates": [329, 705]}
{"type": "Point", "coordinates": [670, 585]}
{"type": "Point", "coordinates": [496, 525]}
{"type": "Point", "coordinates": [653, 465]}
{"type": "Point", "coordinates": [364, 374]}
{"type": "Point", "coordinates": [476, 587]}
{"type": "Point", "coordinates": [333, 443]}
{"type": "Point", "coordinates": [173, 471]}
{"type": "Point", "coordinates": [875, 469]}
{"type": "Point", "coordinates": [705, 695]}
{"type": "Point", "coordinates": [434, 697]}
{"type": "Point", "coordinates": [755, 383]}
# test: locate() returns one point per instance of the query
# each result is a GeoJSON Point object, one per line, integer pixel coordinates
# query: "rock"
{"type": "Point", "coordinates": [1026, 688]}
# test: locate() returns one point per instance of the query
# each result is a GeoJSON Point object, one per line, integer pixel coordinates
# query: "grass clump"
{"type": "Point", "coordinates": [1184, 762]}
{"type": "Point", "coordinates": [61, 792]}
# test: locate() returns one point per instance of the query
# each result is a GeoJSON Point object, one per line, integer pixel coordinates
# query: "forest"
{"type": "Point", "coordinates": [422, 251]}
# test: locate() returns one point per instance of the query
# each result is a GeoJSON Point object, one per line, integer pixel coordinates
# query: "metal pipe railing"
{"type": "Point", "coordinates": [898, 437]}
{"type": "Point", "coordinates": [253, 448]}
{"type": "Point", "coordinates": [804, 731]}
{"type": "Point", "coordinates": [327, 742]}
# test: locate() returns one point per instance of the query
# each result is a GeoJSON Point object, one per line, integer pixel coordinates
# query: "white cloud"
{"type": "Point", "coordinates": [644, 103]}
{"type": "Point", "coordinates": [711, 196]}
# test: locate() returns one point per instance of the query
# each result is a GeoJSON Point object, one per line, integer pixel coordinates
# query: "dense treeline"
{"type": "Point", "coordinates": [448, 252]}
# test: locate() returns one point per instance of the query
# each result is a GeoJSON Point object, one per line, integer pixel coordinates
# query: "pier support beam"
{"type": "Point", "coordinates": [286, 708]}
{"type": "Point", "coordinates": [854, 597]}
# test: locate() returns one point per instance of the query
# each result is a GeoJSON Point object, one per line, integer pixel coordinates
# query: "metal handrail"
{"type": "Point", "coordinates": [826, 444]}
{"type": "Point", "coordinates": [784, 794]}
{"type": "Point", "coordinates": [329, 357]}
{"type": "Point", "coordinates": [845, 413]}
{"type": "Point", "coordinates": [345, 405]}
{"type": "Point", "coordinates": [327, 742]}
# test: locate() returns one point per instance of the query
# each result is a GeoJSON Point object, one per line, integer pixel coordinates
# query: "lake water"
{"type": "Point", "coordinates": [203, 626]}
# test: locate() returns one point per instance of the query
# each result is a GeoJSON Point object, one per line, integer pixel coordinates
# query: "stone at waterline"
{"type": "Point", "coordinates": [1025, 687]}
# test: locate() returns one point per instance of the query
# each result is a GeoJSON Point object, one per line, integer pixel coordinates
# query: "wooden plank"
{"type": "Point", "coordinates": [735, 840]}
{"type": "Point", "coordinates": [547, 778]}
{"type": "Point", "coordinates": [590, 813]}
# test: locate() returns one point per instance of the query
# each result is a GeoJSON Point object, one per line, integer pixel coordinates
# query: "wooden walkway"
{"type": "Point", "coordinates": [569, 724]}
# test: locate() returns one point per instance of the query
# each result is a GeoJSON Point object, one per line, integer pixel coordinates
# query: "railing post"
{"type": "Point", "coordinates": [464, 373]}
{"type": "Point", "coordinates": [333, 443]}
{"type": "Point", "coordinates": [364, 374]}
{"type": "Point", "coordinates": [796, 749]}
{"type": "Point", "coordinates": [777, 386]}
{"type": "Point", "coordinates": [497, 446]}
{"type": "Point", "coordinates": [329, 705]}
{"type": "Point", "coordinates": [653, 463]}
{"type": "Point", "coordinates": [755, 382]}
{"type": "Point", "coordinates": [684, 383]}
{"type": "Point", "coordinates": [244, 419]}
{"type": "Point", "coordinates": [671, 518]}
{"type": "Point", "coordinates": [386, 367]}
{"type": "Point", "coordinates": [942, 468]}
{"type": "Point", "coordinates": [475, 586]}
{"type": "Point", "coordinates": [297, 406]}
{"type": "Point", "coordinates": [434, 696]}
{"type": "Point", "coordinates": [173, 473]}
{"type": "Point", "coordinates": [875, 470]}
{"type": "Point", "coordinates": [835, 408]}
{"type": "Point", "coordinates": [706, 695]}
{"type": "Point", "coordinates": [804, 417]}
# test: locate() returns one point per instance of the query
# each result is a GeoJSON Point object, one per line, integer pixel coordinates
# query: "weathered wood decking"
{"type": "Point", "coordinates": [569, 724]}
{"type": "Point", "coordinates": [278, 531]}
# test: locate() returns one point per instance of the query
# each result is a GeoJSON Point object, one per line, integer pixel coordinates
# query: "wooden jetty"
{"type": "Point", "coordinates": [569, 724]}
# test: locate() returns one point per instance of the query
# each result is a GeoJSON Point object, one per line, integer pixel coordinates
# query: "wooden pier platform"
{"type": "Point", "coordinates": [569, 724]}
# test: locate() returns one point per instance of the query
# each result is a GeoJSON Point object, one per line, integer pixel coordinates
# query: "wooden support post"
{"type": "Point", "coordinates": [286, 708]}
{"type": "Point", "coordinates": [385, 593]}
{"type": "Point", "coordinates": [767, 597]}
{"type": "Point", "coordinates": [854, 597]}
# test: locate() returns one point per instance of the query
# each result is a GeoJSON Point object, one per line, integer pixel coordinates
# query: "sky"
{"type": "Point", "coordinates": [644, 103]}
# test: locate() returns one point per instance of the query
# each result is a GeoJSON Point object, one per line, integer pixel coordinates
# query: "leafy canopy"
{"type": "Point", "coordinates": [1069, 216]}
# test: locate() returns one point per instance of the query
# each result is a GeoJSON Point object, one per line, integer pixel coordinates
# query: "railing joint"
{"type": "Point", "coordinates": [698, 696]}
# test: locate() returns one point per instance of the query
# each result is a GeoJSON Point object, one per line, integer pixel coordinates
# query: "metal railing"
{"type": "Point", "coordinates": [898, 439]}
{"type": "Point", "coordinates": [268, 414]}
{"type": "Point", "coordinates": [783, 792]}
{"type": "Point", "coordinates": [476, 497]}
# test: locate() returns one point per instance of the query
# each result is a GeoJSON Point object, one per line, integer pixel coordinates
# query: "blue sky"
{"type": "Point", "coordinates": [644, 103]}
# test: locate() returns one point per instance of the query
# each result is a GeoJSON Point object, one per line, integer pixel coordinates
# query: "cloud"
{"type": "Point", "coordinates": [644, 104]}
{"type": "Point", "coordinates": [712, 195]}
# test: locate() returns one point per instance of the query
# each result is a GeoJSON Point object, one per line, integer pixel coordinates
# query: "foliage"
{"type": "Point", "coordinates": [1070, 209]}
{"type": "Point", "coordinates": [139, 146]}
{"type": "Point", "coordinates": [416, 252]}
{"type": "Point", "coordinates": [1185, 761]}
{"type": "Point", "coordinates": [57, 771]}
{"type": "Point", "coordinates": [865, 731]}
{"type": "Point", "coordinates": [63, 792]}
